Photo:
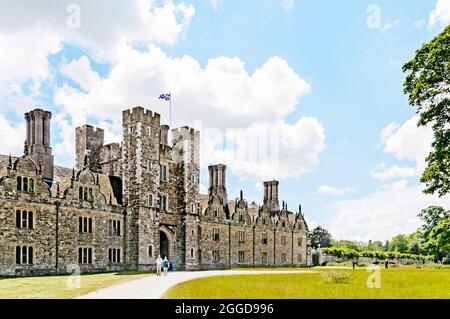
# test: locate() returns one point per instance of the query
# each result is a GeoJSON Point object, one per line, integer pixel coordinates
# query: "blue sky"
{"type": "Point", "coordinates": [343, 88]}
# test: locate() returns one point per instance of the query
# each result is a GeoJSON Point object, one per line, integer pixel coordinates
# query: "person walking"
{"type": "Point", "coordinates": [158, 265]}
{"type": "Point", "coordinates": [174, 265]}
{"type": "Point", "coordinates": [386, 264]}
{"type": "Point", "coordinates": [165, 264]}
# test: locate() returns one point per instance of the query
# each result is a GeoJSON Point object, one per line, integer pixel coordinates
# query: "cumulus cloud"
{"type": "Point", "coordinates": [407, 142]}
{"type": "Point", "coordinates": [440, 15]}
{"type": "Point", "coordinates": [393, 209]}
{"type": "Point", "coordinates": [97, 26]}
{"type": "Point", "coordinates": [12, 138]}
{"type": "Point", "coordinates": [81, 72]}
{"type": "Point", "coordinates": [332, 190]}
{"type": "Point", "coordinates": [267, 150]}
{"type": "Point", "coordinates": [384, 172]}
{"type": "Point", "coordinates": [223, 87]}
{"type": "Point", "coordinates": [222, 99]}
{"type": "Point", "coordinates": [381, 215]}
{"type": "Point", "coordinates": [30, 31]}
{"type": "Point", "coordinates": [410, 142]}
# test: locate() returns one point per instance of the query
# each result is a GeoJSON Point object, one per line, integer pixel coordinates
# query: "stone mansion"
{"type": "Point", "coordinates": [123, 204]}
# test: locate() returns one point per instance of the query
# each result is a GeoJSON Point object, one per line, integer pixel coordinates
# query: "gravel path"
{"type": "Point", "coordinates": [153, 287]}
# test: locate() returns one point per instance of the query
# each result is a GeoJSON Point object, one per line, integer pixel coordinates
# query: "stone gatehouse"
{"type": "Point", "coordinates": [123, 204]}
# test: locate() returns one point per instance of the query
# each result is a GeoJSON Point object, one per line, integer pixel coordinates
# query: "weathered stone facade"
{"type": "Point", "coordinates": [127, 203]}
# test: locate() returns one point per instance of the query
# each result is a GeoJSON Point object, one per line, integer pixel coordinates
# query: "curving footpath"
{"type": "Point", "coordinates": [154, 287]}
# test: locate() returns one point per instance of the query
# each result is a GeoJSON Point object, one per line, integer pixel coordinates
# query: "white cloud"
{"type": "Point", "coordinates": [287, 4]}
{"type": "Point", "coordinates": [440, 15]}
{"type": "Point", "coordinates": [30, 31]}
{"type": "Point", "coordinates": [12, 138]}
{"type": "Point", "coordinates": [400, 184]}
{"type": "Point", "coordinates": [222, 92]}
{"type": "Point", "coordinates": [406, 142]}
{"type": "Point", "coordinates": [332, 190]}
{"type": "Point", "coordinates": [410, 142]}
{"type": "Point", "coordinates": [223, 95]}
{"type": "Point", "coordinates": [80, 71]}
{"type": "Point", "coordinates": [381, 215]}
{"type": "Point", "coordinates": [267, 151]}
{"type": "Point", "coordinates": [102, 27]}
{"type": "Point", "coordinates": [384, 173]}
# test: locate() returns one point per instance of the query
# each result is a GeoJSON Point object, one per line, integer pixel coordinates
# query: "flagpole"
{"type": "Point", "coordinates": [170, 108]}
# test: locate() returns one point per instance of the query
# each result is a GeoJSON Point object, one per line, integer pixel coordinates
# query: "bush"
{"type": "Point", "coordinates": [446, 261]}
{"type": "Point", "coordinates": [337, 277]}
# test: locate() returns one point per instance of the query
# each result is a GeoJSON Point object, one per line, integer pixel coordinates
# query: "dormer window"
{"type": "Point", "coordinates": [25, 184]}
{"type": "Point", "coordinates": [85, 194]}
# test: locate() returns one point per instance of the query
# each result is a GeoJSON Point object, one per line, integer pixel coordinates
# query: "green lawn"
{"type": "Point", "coordinates": [404, 282]}
{"type": "Point", "coordinates": [56, 286]}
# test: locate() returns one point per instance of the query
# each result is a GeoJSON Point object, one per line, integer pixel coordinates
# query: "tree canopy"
{"type": "Point", "coordinates": [320, 236]}
{"type": "Point", "coordinates": [427, 85]}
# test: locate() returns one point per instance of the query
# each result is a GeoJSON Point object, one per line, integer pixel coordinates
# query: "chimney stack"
{"type": "Point", "coordinates": [165, 134]}
{"type": "Point", "coordinates": [271, 195]}
{"type": "Point", "coordinates": [217, 181]}
{"type": "Point", "coordinates": [38, 141]}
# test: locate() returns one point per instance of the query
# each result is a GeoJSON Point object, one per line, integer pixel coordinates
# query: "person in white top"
{"type": "Point", "coordinates": [158, 265]}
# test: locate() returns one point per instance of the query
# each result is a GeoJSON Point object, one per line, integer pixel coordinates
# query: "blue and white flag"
{"type": "Point", "coordinates": [165, 96]}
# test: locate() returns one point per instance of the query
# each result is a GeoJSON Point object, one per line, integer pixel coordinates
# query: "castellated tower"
{"type": "Point", "coordinates": [38, 141]}
{"type": "Point", "coordinates": [186, 154]}
{"type": "Point", "coordinates": [89, 141]}
{"type": "Point", "coordinates": [140, 176]}
{"type": "Point", "coordinates": [271, 196]}
{"type": "Point", "coordinates": [217, 182]}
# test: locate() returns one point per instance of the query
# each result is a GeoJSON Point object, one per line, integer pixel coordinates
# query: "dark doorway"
{"type": "Point", "coordinates": [315, 259]}
{"type": "Point", "coordinates": [163, 245]}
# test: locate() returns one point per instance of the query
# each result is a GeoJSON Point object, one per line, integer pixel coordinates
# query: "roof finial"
{"type": "Point", "coordinates": [57, 189]}
{"type": "Point", "coordinates": [242, 195]}
{"type": "Point", "coordinates": [25, 148]}
{"type": "Point", "coordinates": [73, 172]}
{"type": "Point", "coordinates": [9, 161]}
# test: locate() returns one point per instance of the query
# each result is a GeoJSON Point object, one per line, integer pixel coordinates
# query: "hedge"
{"type": "Point", "coordinates": [342, 252]}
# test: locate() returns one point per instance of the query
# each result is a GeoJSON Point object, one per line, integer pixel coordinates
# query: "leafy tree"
{"type": "Point", "coordinates": [399, 243]}
{"type": "Point", "coordinates": [374, 246]}
{"type": "Point", "coordinates": [430, 217]}
{"type": "Point", "coordinates": [320, 236]}
{"type": "Point", "coordinates": [415, 243]}
{"type": "Point", "coordinates": [427, 85]}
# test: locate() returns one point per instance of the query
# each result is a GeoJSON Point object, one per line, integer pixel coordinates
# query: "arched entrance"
{"type": "Point", "coordinates": [163, 245]}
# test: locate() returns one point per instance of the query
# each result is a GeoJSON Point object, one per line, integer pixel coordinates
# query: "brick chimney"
{"type": "Point", "coordinates": [217, 181]}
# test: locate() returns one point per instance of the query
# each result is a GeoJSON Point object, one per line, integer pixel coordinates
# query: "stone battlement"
{"type": "Point", "coordinates": [184, 132]}
{"type": "Point", "coordinates": [139, 114]}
